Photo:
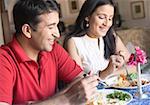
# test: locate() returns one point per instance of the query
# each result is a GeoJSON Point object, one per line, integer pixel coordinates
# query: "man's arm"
{"type": "Point", "coordinates": [6, 78]}
{"type": "Point", "coordinates": [76, 93]}
{"type": "Point", "coordinates": [57, 99]}
{"type": "Point", "coordinates": [4, 103]}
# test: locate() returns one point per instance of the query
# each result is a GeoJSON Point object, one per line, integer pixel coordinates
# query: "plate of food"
{"type": "Point", "coordinates": [111, 97]}
{"type": "Point", "coordinates": [120, 81]}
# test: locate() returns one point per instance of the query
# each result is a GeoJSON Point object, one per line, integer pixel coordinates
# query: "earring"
{"type": "Point", "coordinates": [87, 24]}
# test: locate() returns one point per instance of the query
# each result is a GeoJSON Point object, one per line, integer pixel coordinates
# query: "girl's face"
{"type": "Point", "coordinates": [100, 21]}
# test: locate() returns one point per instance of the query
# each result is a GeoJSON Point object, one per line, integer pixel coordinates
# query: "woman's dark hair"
{"type": "Point", "coordinates": [28, 11]}
{"type": "Point", "coordinates": [80, 28]}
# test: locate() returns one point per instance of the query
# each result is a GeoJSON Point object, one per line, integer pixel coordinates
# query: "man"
{"type": "Point", "coordinates": [32, 63]}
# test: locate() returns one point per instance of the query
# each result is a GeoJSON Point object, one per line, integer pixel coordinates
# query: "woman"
{"type": "Point", "coordinates": [93, 44]}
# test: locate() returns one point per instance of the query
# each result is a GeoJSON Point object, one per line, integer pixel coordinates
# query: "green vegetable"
{"type": "Point", "coordinates": [119, 95]}
{"type": "Point", "coordinates": [133, 76]}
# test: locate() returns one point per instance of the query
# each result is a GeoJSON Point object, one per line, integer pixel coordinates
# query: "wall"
{"type": "Point", "coordinates": [137, 36]}
{"type": "Point", "coordinates": [67, 17]}
{"type": "Point", "coordinates": [124, 8]}
{"type": "Point", "coordinates": [125, 11]}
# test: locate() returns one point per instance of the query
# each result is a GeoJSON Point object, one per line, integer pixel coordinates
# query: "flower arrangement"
{"type": "Point", "coordinates": [138, 57]}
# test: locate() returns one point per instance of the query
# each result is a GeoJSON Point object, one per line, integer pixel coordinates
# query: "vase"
{"type": "Point", "coordinates": [139, 83]}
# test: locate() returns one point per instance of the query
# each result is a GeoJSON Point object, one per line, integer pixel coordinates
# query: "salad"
{"type": "Point", "coordinates": [112, 97]}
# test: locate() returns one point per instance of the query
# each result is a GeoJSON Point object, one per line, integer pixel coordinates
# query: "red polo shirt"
{"type": "Point", "coordinates": [23, 80]}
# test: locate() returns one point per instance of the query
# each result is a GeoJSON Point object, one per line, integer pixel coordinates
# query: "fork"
{"type": "Point", "coordinates": [125, 66]}
{"type": "Point", "coordinates": [102, 85]}
{"type": "Point", "coordinates": [128, 75]}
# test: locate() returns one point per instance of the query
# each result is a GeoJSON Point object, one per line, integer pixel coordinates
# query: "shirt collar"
{"type": "Point", "coordinates": [18, 51]}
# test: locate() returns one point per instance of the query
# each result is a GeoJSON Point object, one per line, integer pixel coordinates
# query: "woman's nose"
{"type": "Point", "coordinates": [105, 23]}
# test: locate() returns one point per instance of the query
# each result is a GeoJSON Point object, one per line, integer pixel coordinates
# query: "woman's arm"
{"type": "Point", "coordinates": [121, 49]}
{"type": "Point", "coordinates": [116, 61]}
{"type": "Point", "coordinates": [72, 50]}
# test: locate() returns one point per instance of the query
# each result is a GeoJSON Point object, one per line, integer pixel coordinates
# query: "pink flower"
{"type": "Point", "coordinates": [138, 57]}
{"type": "Point", "coordinates": [132, 60]}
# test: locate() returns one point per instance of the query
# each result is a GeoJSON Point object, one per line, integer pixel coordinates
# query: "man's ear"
{"type": "Point", "coordinates": [26, 29]}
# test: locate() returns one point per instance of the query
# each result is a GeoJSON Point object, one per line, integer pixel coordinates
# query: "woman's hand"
{"type": "Point", "coordinates": [83, 90]}
{"type": "Point", "coordinates": [117, 61]}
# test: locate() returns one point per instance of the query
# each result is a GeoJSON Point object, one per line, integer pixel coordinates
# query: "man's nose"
{"type": "Point", "coordinates": [56, 33]}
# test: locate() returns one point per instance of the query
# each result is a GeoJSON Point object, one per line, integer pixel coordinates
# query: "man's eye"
{"type": "Point", "coordinates": [50, 27]}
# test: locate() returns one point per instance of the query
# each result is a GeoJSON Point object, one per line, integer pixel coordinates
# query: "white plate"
{"type": "Point", "coordinates": [105, 92]}
{"type": "Point", "coordinates": [112, 80]}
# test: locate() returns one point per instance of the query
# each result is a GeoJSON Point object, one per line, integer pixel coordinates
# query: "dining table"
{"type": "Point", "coordinates": [134, 92]}
{"type": "Point", "coordinates": [136, 100]}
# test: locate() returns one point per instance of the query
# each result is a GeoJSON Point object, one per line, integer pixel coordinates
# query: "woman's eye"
{"type": "Point", "coordinates": [110, 19]}
{"type": "Point", "coordinates": [102, 17]}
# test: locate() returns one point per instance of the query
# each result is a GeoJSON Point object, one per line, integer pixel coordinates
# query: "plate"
{"type": "Point", "coordinates": [113, 80]}
{"type": "Point", "coordinates": [103, 99]}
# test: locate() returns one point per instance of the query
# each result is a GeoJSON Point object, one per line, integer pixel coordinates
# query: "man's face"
{"type": "Point", "coordinates": [46, 32]}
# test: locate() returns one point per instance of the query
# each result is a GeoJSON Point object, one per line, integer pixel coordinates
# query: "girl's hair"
{"type": "Point", "coordinates": [80, 28]}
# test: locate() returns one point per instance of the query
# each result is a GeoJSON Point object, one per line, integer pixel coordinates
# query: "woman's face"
{"type": "Point", "coordinates": [100, 21]}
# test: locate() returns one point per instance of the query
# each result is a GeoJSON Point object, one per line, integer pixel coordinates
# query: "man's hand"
{"type": "Point", "coordinates": [4, 103]}
{"type": "Point", "coordinates": [82, 90]}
